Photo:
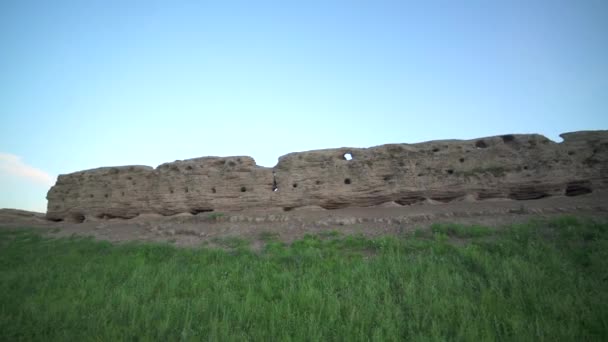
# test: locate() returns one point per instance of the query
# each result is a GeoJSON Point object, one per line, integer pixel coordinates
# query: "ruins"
{"type": "Point", "coordinates": [513, 166]}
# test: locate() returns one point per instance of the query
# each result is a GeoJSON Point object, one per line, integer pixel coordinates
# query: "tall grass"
{"type": "Point", "coordinates": [546, 280]}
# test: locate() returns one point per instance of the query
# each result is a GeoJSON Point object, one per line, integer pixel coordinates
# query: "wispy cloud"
{"type": "Point", "coordinates": [13, 165]}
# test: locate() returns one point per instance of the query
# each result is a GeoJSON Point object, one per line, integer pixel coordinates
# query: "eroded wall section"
{"type": "Point", "coordinates": [518, 167]}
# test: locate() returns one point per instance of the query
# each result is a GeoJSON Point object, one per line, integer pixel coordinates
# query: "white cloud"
{"type": "Point", "coordinates": [13, 165]}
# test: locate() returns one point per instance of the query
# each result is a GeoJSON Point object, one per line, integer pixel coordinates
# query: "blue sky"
{"type": "Point", "coordinates": [91, 83]}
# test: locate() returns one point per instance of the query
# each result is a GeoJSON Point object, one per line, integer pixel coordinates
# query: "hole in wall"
{"type": "Point", "coordinates": [347, 156]}
{"type": "Point", "coordinates": [508, 138]}
{"type": "Point", "coordinates": [188, 167]}
{"type": "Point", "coordinates": [186, 190]}
{"type": "Point", "coordinates": [461, 160]}
{"type": "Point", "coordinates": [449, 171]}
{"type": "Point", "coordinates": [243, 189]}
{"type": "Point", "coordinates": [91, 195]}
{"type": "Point", "coordinates": [287, 208]}
{"type": "Point", "coordinates": [213, 190]}
{"type": "Point", "coordinates": [347, 181]}
{"type": "Point", "coordinates": [295, 185]}
{"type": "Point", "coordinates": [481, 144]}
{"type": "Point", "coordinates": [77, 218]}
{"type": "Point", "coordinates": [171, 190]}
{"type": "Point", "coordinates": [577, 188]}
{"type": "Point", "coordinates": [436, 149]}
{"type": "Point", "coordinates": [571, 153]}
{"type": "Point", "coordinates": [195, 211]}
{"type": "Point", "coordinates": [105, 195]}
{"type": "Point", "coordinates": [318, 182]}
{"type": "Point", "coordinates": [387, 178]}
{"type": "Point", "coordinates": [525, 167]}
{"type": "Point", "coordinates": [275, 186]}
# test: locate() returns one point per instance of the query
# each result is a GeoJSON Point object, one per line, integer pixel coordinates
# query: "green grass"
{"type": "Point", "coordinates": [541, 281]}
{"type": "Point", "coordinates": [214, 216]}
{"type": "Point", "coordinates": [460, 231]}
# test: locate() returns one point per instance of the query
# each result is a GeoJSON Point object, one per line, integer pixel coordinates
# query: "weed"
{"type": "Point", "coordinates": [215, 216]}
{"type": "Point", "coordinates": [233, 242]}
{"type": "Point", "coordinates": [542, 280]}
{"type": "Point", "coordinates": [328, 234]}
{"type": "Point", "coordinates": [268, 236]}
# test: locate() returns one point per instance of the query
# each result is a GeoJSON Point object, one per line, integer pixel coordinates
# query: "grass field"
{"type": "Point", "coordinates": [541, 281]}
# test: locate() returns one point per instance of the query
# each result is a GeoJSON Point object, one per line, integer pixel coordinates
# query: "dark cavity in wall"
{"type": "Point", "coordinates": [275, 186]}
{"type": "Point", "coordinates": [509, 138]}
{"type": "Point", "coordinates": [577, 188]}
{"type": "Point", "coordinates": [347, 181]}
{"type": "Point", "coordinates": [527, 193]}
{"type": "Point", "coordinates": [481, 144]}
{"type": "Point", "coordinates": [195, 211]}
{"type": "Point", "coordinates": [78, 218]}
{"type": "Point", "coordinates": [243, 189]}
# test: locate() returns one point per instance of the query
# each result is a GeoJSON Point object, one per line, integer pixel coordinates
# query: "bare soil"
{"type": "Point", "coordinates": [257, 225]}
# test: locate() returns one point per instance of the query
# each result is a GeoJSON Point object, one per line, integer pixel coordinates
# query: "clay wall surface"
{"type": "Point", "coordinates": [517, 167]}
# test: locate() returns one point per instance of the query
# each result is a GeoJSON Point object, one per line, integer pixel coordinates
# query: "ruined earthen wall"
{"type": "Point", "coordinates": [518, 167]}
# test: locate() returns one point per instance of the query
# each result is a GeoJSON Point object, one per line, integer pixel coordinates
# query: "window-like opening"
{"type": "Point", "coordinates": [461, 160]}
{"type": "Point", "coordinates": [348, 156]}
{"type": "Point", "coordinates": [295, 185]}
{"type": "Point", "coordinates": [213, 190]}
{"type": "Point", "coordinates": [275, 186]}
{"type": "Point", "coordinates": [347, 181]}
{"type": "Point", "coordinates": [243, 189]}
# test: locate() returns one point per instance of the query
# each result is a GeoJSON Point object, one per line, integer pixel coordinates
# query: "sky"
{"type": "Point", "coordinates": [85, 84]}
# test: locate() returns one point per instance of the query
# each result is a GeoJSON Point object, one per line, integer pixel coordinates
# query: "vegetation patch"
{"type": "Point", "coordinates": [544, 280]}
